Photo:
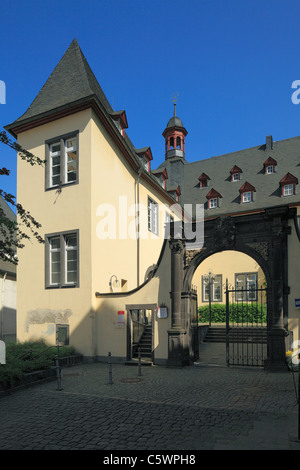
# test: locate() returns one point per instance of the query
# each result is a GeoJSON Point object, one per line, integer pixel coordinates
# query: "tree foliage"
{"type": "Point", "coordinates": [12, 232]}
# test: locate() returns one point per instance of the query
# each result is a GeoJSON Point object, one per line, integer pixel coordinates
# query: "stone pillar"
{"type": "Point", "coordinates": [176, 334]}
{"type": "Point", "coordinates": [277, 332]}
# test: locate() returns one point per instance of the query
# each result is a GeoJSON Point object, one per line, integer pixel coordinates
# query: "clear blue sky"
{"type": "Point", "coordinates": [232, 63]}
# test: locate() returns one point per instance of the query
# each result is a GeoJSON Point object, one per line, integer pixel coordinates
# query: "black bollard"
{"type": "Point", "coordinates": [140, 364]}
{"type": "Point", "coordinates": [110, 382]}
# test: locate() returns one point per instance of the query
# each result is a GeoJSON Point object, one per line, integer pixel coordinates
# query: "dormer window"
{"type": "Point", "coordinates": [247, 197]}
{"type": "Point", "coordinates": [145, 155]}
{"type": "Point", "coordinates": [213, 198]}
{"type": "Point", "coordinates": [175, 192]}
{"type": "Point", "coordinates": [288, 185]}
{"type": "Point", "coordinates": [213, 203]}
{"type": "Point", "coordinates": [120, 121]}
{"type": "Point", "coordinates": [235, 173]}
{"type": "Point", "coordinates": [270, 165]}
{"type": "Point", "coordinates": [203, 180]}
{"type": "Point", "coordinates": [247, 193]}
{"type": "Point", "coordinates": [161, 175]}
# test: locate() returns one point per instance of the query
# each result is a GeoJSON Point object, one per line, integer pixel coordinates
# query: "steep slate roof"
{"type": "Point", "coordinates": [72, 84]}
{"type": "Point", "coordinates": [251, 162]}
{"type": "Point", "coordinates": [71, 81]}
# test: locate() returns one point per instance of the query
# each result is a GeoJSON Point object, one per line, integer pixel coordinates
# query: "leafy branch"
{"type": "Point", "coordinates": [22, 153]}
{"type": "Point", "coordinates": [12, 234]}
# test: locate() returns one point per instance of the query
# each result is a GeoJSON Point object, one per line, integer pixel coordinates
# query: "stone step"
{"type": "Point", "coordinates": [237, 334]}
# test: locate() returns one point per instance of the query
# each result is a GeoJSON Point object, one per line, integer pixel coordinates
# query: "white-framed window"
{"type": "Point", "coordinates": [270, 170]}
{"type": "Point", "coordinates": [152, 216]}
{"type": "Point", "coordinates": [62, 260]}
{"type": "Point", "coordinates": [212, 288]}
{"type": "Point", "coordinates": [235, 177]}
{"type": "Point", "coordinates": [213, 203]}
{"type": "Point", "coordinates": [55, 164]}
{"type": "Point", "coordinates": [288, 190]}
{"type": "Point", "coordinates": [246, 283]}
{"type": "Point", "coordinates": [247, 196]}
{"type": "Point", "coordinates": [62, 161]}
{"type": "Point", "coordinates": [71, 160]}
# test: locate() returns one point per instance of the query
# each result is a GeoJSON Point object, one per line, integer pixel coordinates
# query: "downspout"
{"type": "Point", "coordinates": [138, 226]}
{"type": "Point", "coordinates": [2, 304]}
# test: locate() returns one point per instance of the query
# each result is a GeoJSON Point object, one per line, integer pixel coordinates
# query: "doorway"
{"type": "Point", "coordinates": [140, 326]}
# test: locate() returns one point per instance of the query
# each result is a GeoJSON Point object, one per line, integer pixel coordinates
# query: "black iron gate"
{"type": "Point", "coordinates": [246, 326]}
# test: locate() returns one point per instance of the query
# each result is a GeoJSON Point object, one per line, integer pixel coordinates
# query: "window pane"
{"type": "Point", "coordinates": [55, 161]}
{"type": "Point", "coordinates": [217, 288]}
{"type": "Point", "coordinates": [55, 243]}
{"type": "Point", "coordinates": [152, 216]}
{"type": "Point", "coordinates": [288, 190]}
{"type": "Point", "coordinates": [55, 148]}
{"type": "Point", "coordinates": [71, 258]}
{"type": "Point", "coordinates": [56, 170]}
{"type": "Point", "coordinates": [71, 166]}
{"type": "Point", "coordinates": [240, 282]}
{"type": "Point", "coordinates": [54, 260]}
{"type": "Point", "coordinates": [71, 143]}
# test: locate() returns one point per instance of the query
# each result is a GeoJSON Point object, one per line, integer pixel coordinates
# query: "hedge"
{"type": "Point", "coordinates": [251, 313]}
{"type": "Point", "coordinates": [22, 358]}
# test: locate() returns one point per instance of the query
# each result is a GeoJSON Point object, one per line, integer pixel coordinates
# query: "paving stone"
{"type": "Point", "coordinates": [193, 408]}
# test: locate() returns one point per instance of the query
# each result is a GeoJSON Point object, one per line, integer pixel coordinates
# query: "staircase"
{"type": "Point", "coordinates": [237, 335]}
{"type": "Point", "coordinates": [145, 344]}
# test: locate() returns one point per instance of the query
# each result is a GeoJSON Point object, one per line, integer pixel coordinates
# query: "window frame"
{"type": "Point", "coordinates": [63, 283]}
{"type": "Point", "coordinates": [63, 153]}
{"type": "Point", "coordinates": [289, 185]}
{"type": "Point", "coordinates": [220, 283]}
{"type": "Point", "coordinates": [244, 200]}
{"type": "Point", "coordinates": [246, 287]}
{"type": "Point", "coordinates": [153, 216]}
{"type": "Point", "coordinates": [216, 203]}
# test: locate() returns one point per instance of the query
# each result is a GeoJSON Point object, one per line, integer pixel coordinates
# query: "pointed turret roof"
{"type": "Point", "coordinates": [71, 83]}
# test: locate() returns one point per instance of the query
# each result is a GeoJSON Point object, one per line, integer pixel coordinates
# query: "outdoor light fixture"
{"type": "Point", "coordinates": [114, 283]}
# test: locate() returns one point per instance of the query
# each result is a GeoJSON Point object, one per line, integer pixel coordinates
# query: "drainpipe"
{"type": "Point", "coordinates": [138, 226]}
{"type": "Point", "coordinates": [2, 304]}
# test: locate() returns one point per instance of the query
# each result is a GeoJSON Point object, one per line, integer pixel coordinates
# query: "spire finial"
{"type": "Point", "coordinates": [174, 99]}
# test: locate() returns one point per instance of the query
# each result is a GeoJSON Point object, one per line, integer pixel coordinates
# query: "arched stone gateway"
{"type": "Point", "coordinates": [264, 237]}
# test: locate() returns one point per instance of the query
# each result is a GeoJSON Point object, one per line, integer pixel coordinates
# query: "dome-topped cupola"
{"type": "Point", "coordinates": [174, 135]}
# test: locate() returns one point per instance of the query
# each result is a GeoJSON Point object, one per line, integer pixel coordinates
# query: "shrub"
{"type": "Point", "coordinates": [238, 313]}
{"type": "Point", "coordinates": [22, 358]}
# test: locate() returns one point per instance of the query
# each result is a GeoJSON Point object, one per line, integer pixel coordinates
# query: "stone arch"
{"type": "Point", "coordinates": [201, 255]}
{"type": "Point", "coordinates": [264, 237]}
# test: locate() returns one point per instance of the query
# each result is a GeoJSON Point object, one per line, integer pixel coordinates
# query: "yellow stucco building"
{"type": "Point", "coordinates": [107, 267]}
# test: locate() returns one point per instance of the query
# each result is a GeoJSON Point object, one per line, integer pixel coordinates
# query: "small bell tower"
{"type": "Point", "coordinates": [174, 135]}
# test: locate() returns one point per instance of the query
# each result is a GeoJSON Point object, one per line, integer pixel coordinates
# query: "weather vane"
{"type": "Point", "coordinates": [174, 99]}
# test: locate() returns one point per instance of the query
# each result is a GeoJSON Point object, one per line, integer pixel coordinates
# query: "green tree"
{"type": "Point", "coordinates": [12, 234]}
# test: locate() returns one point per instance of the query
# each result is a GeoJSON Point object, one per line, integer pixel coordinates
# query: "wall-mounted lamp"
{"type": "Point", "coordinates": [114, 283]}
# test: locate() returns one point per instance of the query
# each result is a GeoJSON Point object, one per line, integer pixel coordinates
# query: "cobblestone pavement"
{"type": "Point", "coordinates": [193, 408]}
